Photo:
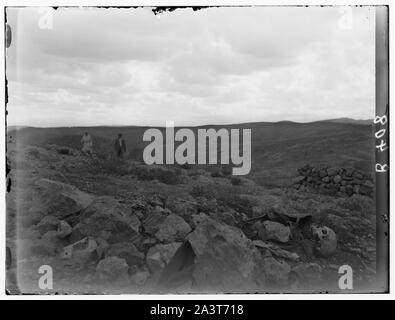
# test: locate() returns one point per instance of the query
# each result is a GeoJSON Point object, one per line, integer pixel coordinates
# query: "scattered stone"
{"type": "Point", "coordinates": [112, 268]}
{"type": "Point", "coordinates": [173, 228]}
{"type": "Point", "coordinates": [81, 252]}
{"type": "Point", "coordinates": [47, 223]}
{"type": "Point", "coordinates": [369, 184]}
{"type": "Point", "coordinates": [206, 205]}
{"type": "Point", "coordinates": [64, 229]}
{"type": "Point", "coordinates": [159, 255]}
{"type": "Point", "coordinates": [334, 267]}
{"type": "Point", "coordinates": [182, 207]}
{"type": "Point", "coordinates": [323, 173]}
{"type": "Point", "coordinates": [225, 217]}
{"type": "Point", "coordinates": [298, 179]}
{"type": "Point", "coordinates": [140, 278]}
{"type": "Point", "coordinates": [134, 222]}
{"type": "Point", "coordinates": [326, 179]}
{"type": "Point", "coordinates": [127, 251]}
{"type": "Point", "coordinates": [154, 220]}
{"type": "Point", "coordinates": [337, 179]}
{"type": "Point", "coordinates": [276, 250]}
{"type": "Point", "coordinates": [271, 230]}
{"type": "Point", "coordinates": [332, 171]}
{"type": "Point", "coordinates": [256, 211]}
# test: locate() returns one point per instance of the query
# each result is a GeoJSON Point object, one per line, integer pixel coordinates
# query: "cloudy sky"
{"type": "Point", "coordinates": [218, 65]}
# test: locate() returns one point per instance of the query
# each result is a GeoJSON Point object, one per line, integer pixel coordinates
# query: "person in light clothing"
{"type": "Point", "coordinates": [87, 144]}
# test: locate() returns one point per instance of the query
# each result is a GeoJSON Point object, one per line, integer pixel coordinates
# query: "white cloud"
{"type": "Point", "coordinates": [217, 65]}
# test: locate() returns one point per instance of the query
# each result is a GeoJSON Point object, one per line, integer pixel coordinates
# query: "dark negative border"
{"type": "Point", "coordinates": [382, 154]}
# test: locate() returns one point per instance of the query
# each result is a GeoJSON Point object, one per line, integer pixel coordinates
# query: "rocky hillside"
{"type": "Point", "coordinates": [121, 226]}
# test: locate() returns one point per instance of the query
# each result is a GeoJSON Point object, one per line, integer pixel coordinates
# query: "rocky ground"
{"type": "Point", "coordinates": [124, 227]}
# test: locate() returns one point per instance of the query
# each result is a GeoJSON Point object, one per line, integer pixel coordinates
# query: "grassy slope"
{"type": "Point", "coordinates": [278, 149]}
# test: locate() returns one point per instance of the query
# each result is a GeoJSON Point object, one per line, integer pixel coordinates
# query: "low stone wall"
{"type": "Point", "coordinates": [335, 181]}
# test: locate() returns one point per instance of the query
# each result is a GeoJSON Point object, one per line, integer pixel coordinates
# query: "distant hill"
{"type": "Point", "coordinates": [353, 121]}
{"type": "Point", "coordinates": [12, 128]}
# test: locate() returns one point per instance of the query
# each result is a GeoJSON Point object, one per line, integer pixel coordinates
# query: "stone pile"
{"type": "Point", "coordinates": [335, 181]}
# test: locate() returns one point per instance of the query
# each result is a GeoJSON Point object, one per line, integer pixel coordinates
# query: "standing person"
{"type": "Point", "coordinates": [87, 143]}
{"type": "Point", "coordinates": [120, 146]}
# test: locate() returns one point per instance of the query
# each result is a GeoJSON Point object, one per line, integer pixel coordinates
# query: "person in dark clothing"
{"type": "Point", "coordinates": [120, 146]}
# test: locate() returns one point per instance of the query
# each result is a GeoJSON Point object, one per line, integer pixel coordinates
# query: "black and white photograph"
{"type": "Point", "coordinates": [197, 150]}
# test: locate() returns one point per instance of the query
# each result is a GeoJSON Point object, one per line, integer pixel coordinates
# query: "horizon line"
{"type": "Point", "coordinates": [193, 126]}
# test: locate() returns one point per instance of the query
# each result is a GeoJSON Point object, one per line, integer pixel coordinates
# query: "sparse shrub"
{"type": "Point", "coordinates": [225, 195]}
{"type": "Point", "coordinates": [64, 151]}
{"type": "Point", "coordinates": [357, 203]}
{"type": "Point", "coordinates": [201, 191]}
{"type": "Point", "coordinates": [136, 154]}
{"type": "Point", "coordinates": [186, 166]}
{"type": "Point", "coordinates": [34, 153]}
{"type": "Point", "coordinates": [217, 174]}
{"type": "Point", "coordinates": [113, 167]}
{"type": "Point", "coordinates": [236, 181]}
{"type": "Point", "coordinates": [226, 170]}
{"type": "Point", "coordinates": [101, 146]}
{"type": "Point", "coordinates": [196, 172]}
{"type": "Point", "coordinates": [320, 218]}
{"type": "Point", "coordinates": [241, 204]}
{"type": "Point", "coordinates": [163, 175]}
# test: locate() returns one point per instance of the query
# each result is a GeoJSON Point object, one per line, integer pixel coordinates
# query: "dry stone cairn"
{"type": "Point", "coordinates": [334, 181]}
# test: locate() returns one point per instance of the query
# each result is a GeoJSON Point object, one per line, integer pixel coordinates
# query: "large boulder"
{"type": "Point", "coordinates": [107, 219]}
{"type": "Point", "coordinates": [173, 228]}
{"type": "Point", "coordinates": [58, 199]}
{"type": "Point", "coordinates": [225, 259]}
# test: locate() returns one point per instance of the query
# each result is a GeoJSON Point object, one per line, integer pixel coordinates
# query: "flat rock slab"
{"type": "Point", "coordinates": [59, 199]}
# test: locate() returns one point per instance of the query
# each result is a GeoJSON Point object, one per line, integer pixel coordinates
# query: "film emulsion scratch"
{"type": "Point", "coordinates": [197, 150]}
